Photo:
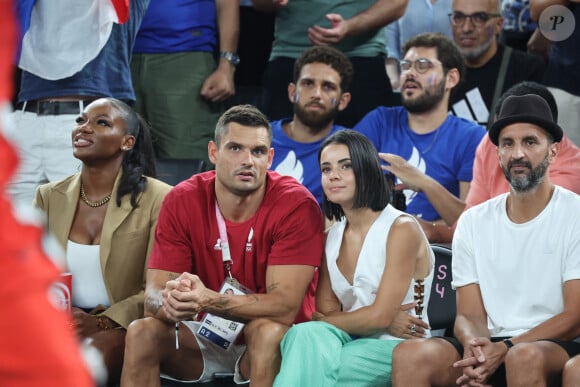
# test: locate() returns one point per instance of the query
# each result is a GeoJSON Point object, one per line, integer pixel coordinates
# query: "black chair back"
{"type": "Point", "coordinates": [442, 306]}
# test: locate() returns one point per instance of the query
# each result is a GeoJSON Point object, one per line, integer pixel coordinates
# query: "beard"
{"type": "Point", "coordinates": [316, 120]}
{"type": "Point", "coordinates": [472, 54]}
{"type": "Point", "coordinates": [526, 183]}
{"type": "Point", "coordinates": [432, 95]}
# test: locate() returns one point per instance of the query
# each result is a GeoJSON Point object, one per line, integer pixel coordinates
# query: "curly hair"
{"type": "Point", "coordinates": [329, 56]}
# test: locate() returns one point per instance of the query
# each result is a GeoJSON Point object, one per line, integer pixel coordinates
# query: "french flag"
{"type": "Point", "coordinates": [61, 36]}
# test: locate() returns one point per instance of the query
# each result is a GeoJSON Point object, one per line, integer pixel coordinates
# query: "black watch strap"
{"type": "Point", "coordinates": [508, 343]}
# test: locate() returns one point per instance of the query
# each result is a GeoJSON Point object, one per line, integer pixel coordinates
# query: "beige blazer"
{"type": "Point", "coordinates": [126, 238]}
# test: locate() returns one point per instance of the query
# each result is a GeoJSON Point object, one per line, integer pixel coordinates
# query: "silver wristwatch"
{"type": "Point", "coordinates": [231, 57]}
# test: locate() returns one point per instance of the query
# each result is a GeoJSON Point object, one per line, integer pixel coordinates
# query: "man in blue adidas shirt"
{"type": "Point", "coordinates": [428, 150]}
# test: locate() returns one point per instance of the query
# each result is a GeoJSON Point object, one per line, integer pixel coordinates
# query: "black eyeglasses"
{"type": "Point", "coordinates": [478, 18]}
{"type": "Point", "coordinates": [422, 65]}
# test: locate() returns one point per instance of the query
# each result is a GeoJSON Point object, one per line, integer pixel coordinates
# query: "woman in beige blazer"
{"type": "Point", "coordinates": [107, 211]}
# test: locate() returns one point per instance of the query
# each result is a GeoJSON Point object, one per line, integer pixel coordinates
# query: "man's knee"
{"type": "Point", "coordinates": [143, 333]}
{"type": "Point", "coordinates": [526, 357]}
{"type": "Point", "coordinates": [264, 333]}
{"type": "Point", "coordinates": [435, 357]}
{"type": "Point", "coordinates": [416, 350]}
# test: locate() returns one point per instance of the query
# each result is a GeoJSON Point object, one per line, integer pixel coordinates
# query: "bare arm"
{"type": "Point", "coordinates": [381, 13]}
{"type": "Point", "coordinates": [445, 203]}
{"type": "Point", "coordinates": [538, 6]}
{"type": "Point", "coordinates": [286, 286]}
{"type": "Point", "coordinates": [471, 330]}
{"type": "Point", "coordinates": [404, 243]}
{"type": "Point", "coordinates": [155, 285]}
{"type": "Point", "coordinates": [471, 319]}
{"type": "Point", "coordinates": [220, 84]}
{"type": "Point", "coordinates": [268, 5]}
{"type": "Point", "coordinates": [326, 301]}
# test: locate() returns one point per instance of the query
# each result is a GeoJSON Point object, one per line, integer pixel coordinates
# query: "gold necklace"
{"type": "Point", "coordinates": [100, 203]}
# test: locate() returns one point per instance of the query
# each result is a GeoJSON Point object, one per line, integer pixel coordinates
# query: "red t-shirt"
{"type": "Point", "coordinates": [287, 230]}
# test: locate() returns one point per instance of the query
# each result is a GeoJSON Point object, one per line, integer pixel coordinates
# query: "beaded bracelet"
{"type": "Point", "coordinates": [104, 323]}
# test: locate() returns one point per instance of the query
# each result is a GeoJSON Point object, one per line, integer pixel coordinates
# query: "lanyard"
{"type": "Point", "coordinates": [224, 243]}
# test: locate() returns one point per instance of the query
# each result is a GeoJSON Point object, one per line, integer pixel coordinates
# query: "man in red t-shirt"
{"type": "Point", "coordinates": [240, 222]}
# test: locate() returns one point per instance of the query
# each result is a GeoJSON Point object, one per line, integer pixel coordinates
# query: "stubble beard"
{"type": "Point", "coordinates": [474, 53]}
{"type": "Point", "coordinates": [528, 182]}
{"type": "Point", "coordinates": [431, 97]}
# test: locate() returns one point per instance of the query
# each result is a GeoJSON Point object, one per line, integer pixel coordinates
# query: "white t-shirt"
{"type": "Point", "coordinates": [520, 268]}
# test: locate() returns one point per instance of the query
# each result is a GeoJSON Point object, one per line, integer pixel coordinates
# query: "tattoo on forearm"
{"type": "Point", "coordinates": [272, 287]}
{"type": "Point", "coordinates": [154, 302]}
{"type": "Point", "coordinates": [222, 306]}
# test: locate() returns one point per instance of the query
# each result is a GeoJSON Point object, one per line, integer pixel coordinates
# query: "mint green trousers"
{"type": "Point", "coordinates": [318, 354]}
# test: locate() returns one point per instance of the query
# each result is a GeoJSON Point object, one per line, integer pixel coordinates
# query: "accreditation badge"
{"type": "Point", "coordinates": [220, 331]}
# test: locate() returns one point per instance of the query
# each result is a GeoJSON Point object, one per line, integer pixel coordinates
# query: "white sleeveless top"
{"type": "Point", "coordinates": [88, 285]}
{"type": "Point", "coordinates": [369, 268]}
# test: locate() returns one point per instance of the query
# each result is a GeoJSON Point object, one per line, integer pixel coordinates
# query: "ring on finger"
{"type": "Point", "coordinates": [413, 329]}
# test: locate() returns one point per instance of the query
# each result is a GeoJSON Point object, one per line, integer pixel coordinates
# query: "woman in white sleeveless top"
{"type": "Point", "coordinates": [375, 258]}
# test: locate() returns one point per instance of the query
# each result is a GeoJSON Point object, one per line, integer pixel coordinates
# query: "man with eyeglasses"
{"type": "Point", "coordinates": [491, 67]}
{"type": "Point", "coordinates": [429, 151]}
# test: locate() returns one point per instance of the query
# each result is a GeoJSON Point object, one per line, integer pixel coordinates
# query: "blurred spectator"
{"type": "Point", "coordinates": [354, 26]}
{"type": "Point", "coordinates": [562, 74]}
{"type": "Point", "coordinates": [491, 67]}
{"type": "Point", "coordinates": [179, 86]}
{"type": "Point", "coordinates": [38, 347]}
{"type": "Point", "coordinates": [254, 46]}
{"type": "Point", "coordinates": [66, 65]}
{"type": "Point", "coordinates": [420, 16]}
{"type": "Point", "coordinates": [518, 26]}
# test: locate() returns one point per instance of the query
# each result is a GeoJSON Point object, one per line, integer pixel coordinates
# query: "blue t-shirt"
{"type": "Point", "coordinates": [178, 26]}
{"type": "Point", "coordinates": [298, 159]}
{"type": "Point", "coordinates": [446, 154]}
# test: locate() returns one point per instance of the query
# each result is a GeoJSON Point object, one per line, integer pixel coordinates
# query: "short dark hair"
{"type": "Point", "coordinates": [529, 87]}
{"type": "Point", "coordinates": [447, 51]}
{"type": "Point", "coordinates": [331, 57]}
{"type": "Point", "coordinates": [247, 115]}
{"type": "Point", "coordinates": [371, 188]}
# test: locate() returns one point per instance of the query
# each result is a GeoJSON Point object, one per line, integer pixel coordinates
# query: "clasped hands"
{"type": "Point", "coordinates": [184, 297]}
{"type": "Point", "coordinates": [481, 358]}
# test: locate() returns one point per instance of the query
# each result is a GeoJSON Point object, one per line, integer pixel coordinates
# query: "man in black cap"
{"type": "Point", "coordinates": [516, 271]}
